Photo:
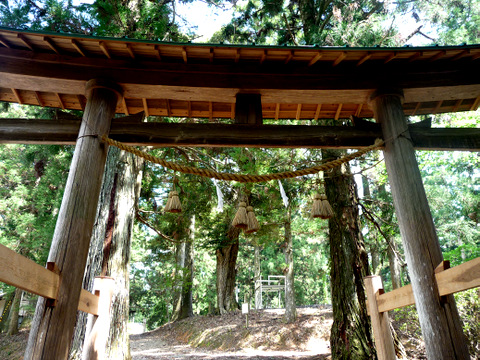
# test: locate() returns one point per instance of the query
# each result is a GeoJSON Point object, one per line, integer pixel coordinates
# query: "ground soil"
{"type": "Point", "coordinates": [227, 338]}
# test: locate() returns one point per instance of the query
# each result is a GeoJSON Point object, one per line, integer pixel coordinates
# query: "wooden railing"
{"type": "Point", "coordinates": [449, 280]}
{"type": "Point", "coordinates": [23, 273]}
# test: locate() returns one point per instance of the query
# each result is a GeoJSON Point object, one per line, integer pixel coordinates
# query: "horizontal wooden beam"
{"type": "Point", "coordinates": [37, 131]}
{"type": "Point", "coordinates": [23, 273]}
{"type": "Point", "coordinates": [459, 278]}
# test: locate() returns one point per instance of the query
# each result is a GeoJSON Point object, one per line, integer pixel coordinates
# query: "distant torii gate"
{"type": "Point", "coordinates": [56, 70]}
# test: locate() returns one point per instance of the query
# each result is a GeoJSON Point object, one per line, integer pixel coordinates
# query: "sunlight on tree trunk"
{"type": "Point", "coordinates": [13, 318]}
{"type": "Point", "coordinates": [226, 273]}
{"type": "Point", "coordinates": [109, 252]}
{"type": "Point", "coordinates": [290, 306]}
{"type": "Point", "coordinates": [351, 336]}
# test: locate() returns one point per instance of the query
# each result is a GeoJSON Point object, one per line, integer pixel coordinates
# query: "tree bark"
{"type": "Point", "coordinates": [13, 318]}
{"type": "Point", "coordinates": [53, 326]}
{"type": "Point", "coordinates": [290, 306]}
{"type": "Point", "coordinates": [226, 273]}
{"type": "Point", "coordinates": [395, 268]}
{"type": "Point", "coordinates": [439, 320]}
{"type": "Point", "coordinates": [257, 276]}
{"type": "Point", "coordinates": [183, 301]}
{"type": "Point", "coordinates": [351, 336]}
{"type": "Point", "coordinates": [109, 252]}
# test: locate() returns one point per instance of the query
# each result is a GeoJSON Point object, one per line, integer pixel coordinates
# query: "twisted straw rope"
{"type": "Point", "coordinates": [240, 177]}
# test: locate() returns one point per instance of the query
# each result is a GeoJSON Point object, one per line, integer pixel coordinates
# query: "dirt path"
{"type": "Point", "coordinates": [267, 338]}
{"type": "Point", "coordinates": [144, 347]}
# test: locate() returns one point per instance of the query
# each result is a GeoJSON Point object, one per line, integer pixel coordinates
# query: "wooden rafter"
{"type": "Point", "coordinates": [289, 57]}
{"type": "Point", "coordinates": [367, 56]}
{"type": "Point", "coordinates": [391, 57]}
{"type": "Point", "coordinates": [317, 57]}
{"type": "Point", "coordinates": [125, 107]}
{"type": "Point", "coordinates": [339, 59]}
{"type": "Point", "coordinates": [60, 101]}
{"type": "Point", "coordinates": [17, 95]}
{"type": "Point", "coordinates": [25, 42]}
{"type": "Point", "coordinates": [415, 56]}
{"type": "Point", "coordinates": [77, 47]}
{"type": "Point", "coordinates": [184, 54]}
{"type": "Point", "coordinates": [39, 100]}
{"type": "Point", "coordinates": [339, 109]}
{"type": "Point", "coordinates": [51, 44]}
{"type": "Point", "coordinates": [460, 55]}
{"type": "Point", "coordinates": [4, 42]}
{"type": "Point", "coordinates": [277, 110]}
{"type": "Point", "coordinates": [130, 51]}
{"type": "Point", "coordinates": [145, 107]}
{"type": "Point", "coordinates": [167, 105]}
{"type": "Point", "coordinates": [158, 53]}
{"type": "Point", "coordinates": [439, 55]}
{"type": "Point", "coordinates": [81, 102]}
{"type": "Point", "coordinates": [104, 48]}
{"type": "Point", "coordinates": [299, 111]}
{"type": "Point", "coordinates": [317, 111]}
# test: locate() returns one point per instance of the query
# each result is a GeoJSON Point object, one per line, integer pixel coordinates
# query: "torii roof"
{"type": "Point", "coordinates": [202, 80]}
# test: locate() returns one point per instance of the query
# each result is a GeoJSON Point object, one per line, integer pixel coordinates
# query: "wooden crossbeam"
{"type": "Point", "coordinates": [459, 278]}
{"type": "Point", "coordinates": [23, 273]}
{"type": "Point", "coordinates": [39, 131]}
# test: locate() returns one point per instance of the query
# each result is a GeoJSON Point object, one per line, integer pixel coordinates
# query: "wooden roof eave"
{"type": "Point", "coordinates": [47, 67]}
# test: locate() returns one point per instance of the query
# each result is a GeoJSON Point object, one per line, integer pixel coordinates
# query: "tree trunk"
{"type": "Point", "coordinates": [257, 276]}
{"type": "Point", "coordinates": [351, 334]}
{"type": "Point", "coordinates": [395, 268]}
{"type": "Point", "coordinates": [226, 273]}
{"type": "Point", "coordinates": [13, 318]}
{"type": "Point", "coordinates": [109, 253]}
{"type": "Point", "coordinates": [183, 302]}
{"type": "Point", "coordinates": [290, 306]}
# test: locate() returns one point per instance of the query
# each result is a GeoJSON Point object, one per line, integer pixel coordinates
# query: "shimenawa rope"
{"type": "Point", "coordinates": [241, 177]}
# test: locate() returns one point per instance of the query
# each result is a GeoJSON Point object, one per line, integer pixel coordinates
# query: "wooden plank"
{"type": "Point", "coordinates": [130, 51]}
{"type": "Point", "coordinates": [339, 59]}
{"type": "Point", "coordinates": [41, 131]}
{"type": "Point", "coordinates": [23, 273]}
{"type": "Point", "coordinates": [459, 278]}
{"type": "Point", "coordinates": [60, 101]}
{"type": "Point", "coordinates": [396, 299]}
{"type": "Point", "coordinates": [380, 322]}
{"type": "Point", "coordinates": [317, 111]}
{"type": "Point", "coordinates": [4, 42]}
{"type": "Point", "coordinates": [317, 57]}
{"type": "Point", "coordinates": [449, 281]}
{"type": "Point", "coordinates": [88, 302]}
{"type": "Point", "coordinates": [37, 96]}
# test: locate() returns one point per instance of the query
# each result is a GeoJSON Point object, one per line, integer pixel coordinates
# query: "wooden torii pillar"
{"type": "Point", "coordinates": [439, 319]}
{"type": "Point", "coordinates": [53, 324]}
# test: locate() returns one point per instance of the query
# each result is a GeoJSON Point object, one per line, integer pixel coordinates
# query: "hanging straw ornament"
{"type": "Point", "coordinates": [321, 207]}
{"type": "Point", "coordinates": [240, 219]}
{"type": "Point", "coordinates": [252, 222]}
{"type": "Point", "coordinates": [173, 203]}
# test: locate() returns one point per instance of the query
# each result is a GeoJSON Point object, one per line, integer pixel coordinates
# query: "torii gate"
{"type": "Point", "coordinates": [104, 76]}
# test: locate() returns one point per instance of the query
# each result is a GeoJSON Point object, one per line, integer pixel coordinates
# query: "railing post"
{"type": "Point", "coordinates": [98, 326]}
{"type": "Point", "coordinates": [380, 321]}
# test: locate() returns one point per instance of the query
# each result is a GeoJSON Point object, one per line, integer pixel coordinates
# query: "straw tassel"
{"type": "Point", "coordinates": [240, 219]}
{"type": "Point", "coordinates": [252, 222]}
{"type": "Point", "coordinates": [173, 203]}
{"type": "Point", "coordinates": [321, 207]}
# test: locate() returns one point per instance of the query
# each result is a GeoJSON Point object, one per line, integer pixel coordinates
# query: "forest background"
{"type": "Point", "coordinates": [175, 265]}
